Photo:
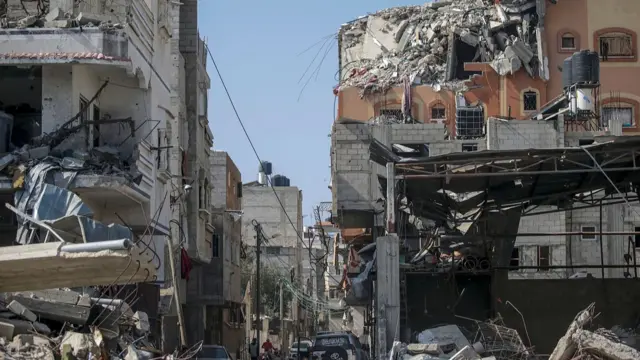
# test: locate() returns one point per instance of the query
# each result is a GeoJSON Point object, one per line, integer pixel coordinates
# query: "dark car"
{"type": "Point", "coordinates": [213, 352]}
{"type": "Point", "coordinates": [337, 346]}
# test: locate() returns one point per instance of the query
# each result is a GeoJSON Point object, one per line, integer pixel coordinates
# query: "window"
{"type": "Point", "coordinates": [96, 127]}
{"type": "Point", "coordinates": [202, 102]}
{"type": "Point", "coordinates": [215, 245]}
{"type": "Point", "coordinates": [392, 113]}
{"type": "Point", "coordinates": [530, 101]}
{"type": "Point", "coordinates": [616, 45]}
{"type": "Point", "coordinates": [239, 189]}
{"type": "Point", "coordinates": [469, 147]}
{"type": "Point", "coordinates": [588, 229]}
{"type": "Point", "coordinates": [568, 42]}
{"type": "Point", "coordinates": [637, 236]}
{"type": "Point", "coordinates": [544, 258]}
{"type": "Point", "coordinates": [515, 258]}
{"type": "Point", "coordinates": [438, 112]}
{"type": "Point", "coordinates": [273, 250]}
{"type": "Point", "coordinates": [619, 113]}
{"type": "Point", "coordinates": [84, 109]}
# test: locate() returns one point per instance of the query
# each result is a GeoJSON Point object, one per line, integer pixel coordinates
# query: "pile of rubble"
{"type": "Point", "coordinates": [55, 324]}
{"type": "Point", "coordinates": [56, 18]}
{"type": "Point", "coordinates": [492, 340]}
{"type": "Point", "coordinates": [429, 44]}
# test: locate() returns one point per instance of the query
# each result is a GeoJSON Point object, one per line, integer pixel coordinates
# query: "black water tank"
{"type": "Point", "coordinates": [265, 167]}
{"type": "Point", "coordinates": [595, 66]}
{"type": "Point", "coordinates": [581, 67]}
{"type": "Point", "coordinates": [567, 68]}
{"type": "Point", "coordinates": [280, 180]}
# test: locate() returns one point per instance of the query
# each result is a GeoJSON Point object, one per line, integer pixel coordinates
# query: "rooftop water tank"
{"type": "Point", "coordinates": [567, 79]}
{"type": "Point", "coordinates": [582, 67]}
{"type": "Point", "coordinates": [265, 167]}
{"type": "Point", "coordinates": [280, 180]}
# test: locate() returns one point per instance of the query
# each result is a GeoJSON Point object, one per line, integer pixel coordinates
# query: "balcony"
{"type": "Point", "coordinates": [124, 38]}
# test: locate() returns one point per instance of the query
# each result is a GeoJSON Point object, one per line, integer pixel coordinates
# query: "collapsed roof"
{"type": "Point", "coordinates": [430, 44]}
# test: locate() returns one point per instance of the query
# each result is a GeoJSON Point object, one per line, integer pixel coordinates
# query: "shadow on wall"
{"type": "Point", "coordinates": [549, 306]}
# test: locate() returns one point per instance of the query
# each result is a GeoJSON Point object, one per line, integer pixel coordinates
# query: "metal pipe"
{"type": "Point", "coordinates": [601, 243]}
{"type": "Point", "coordinates": [513, 173]}
{"type": "Point", "coordinates": [108, 302]}
{"type": "Point", "coordinates": [559, 233]}
{"type": "Point", "coordinates": [123, 244]}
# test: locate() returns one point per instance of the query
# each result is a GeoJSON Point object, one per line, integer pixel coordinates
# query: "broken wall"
{"type": "Point", "coordinates": [355, 188]}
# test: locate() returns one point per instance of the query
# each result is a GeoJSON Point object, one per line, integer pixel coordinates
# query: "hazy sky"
{"type": "Point", "coordinates": [259, 47]}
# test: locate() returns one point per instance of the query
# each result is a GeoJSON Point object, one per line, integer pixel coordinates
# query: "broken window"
{"type": "Point", "coordinates": [616, 44]}
{"type": "Point", "coordinates": [215, 246]}
{"type": "Point", "coordinates": [438, 112]}
{"type": "Point", "coordinates": [530, 101]}
{"type": "Point", "coordinates": [392, 113]}
{"type": "Point", "coordinates": [618, 113]}
{"type": "Point", "coordinates": [544, 258]}
{"type": "Point", "coordinates": [84, 108]}
{"type": "Point", "coordinates": [637, 236]}
{"type": "Point", "coordinates": [273, 250]}
{"type": "Point", "coordinates": [588, 229]}
{"type": "Point", "coordinates": [469, 147]}
{"type": "Point", "coordinates": [96, 126]}
{"type": "Point", "coordinates": [568, 42]}
{"type": "Point", "coordinates": [515, 258]}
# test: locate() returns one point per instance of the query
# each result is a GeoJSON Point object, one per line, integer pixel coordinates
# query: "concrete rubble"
{"type": "Point", "coordinates": [492, 340]}
{"type": "Point", "coordinates": [77, 325]}
{"type": "Point", "coordinates": [430, 44]}
{"type": "Point", "coordinates": [54, 18]}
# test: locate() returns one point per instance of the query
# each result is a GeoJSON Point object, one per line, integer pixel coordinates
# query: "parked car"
{"type": "Point", "coordinates": [340, 345]}
{"type": "Point", "coordinates": [213, 352]}
{"type": "Point", "coordinates": [304, 348]}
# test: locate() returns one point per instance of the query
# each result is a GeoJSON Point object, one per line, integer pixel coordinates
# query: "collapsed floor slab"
{"type": "Point", "coordinates": [46, 266]}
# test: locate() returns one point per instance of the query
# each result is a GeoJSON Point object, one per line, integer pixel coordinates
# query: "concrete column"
{"type": "Point", "coordinates": [616, 245]}
{"type": "Point", "coordinates": [57, 96]}
{"type": "Point", "coordinates": [387, 292]}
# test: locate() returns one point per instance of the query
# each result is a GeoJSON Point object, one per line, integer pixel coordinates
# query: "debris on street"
{"type": "Point", "coordinates": [430, 44]}
{"type": "Point", "coordinates": [492, 340]}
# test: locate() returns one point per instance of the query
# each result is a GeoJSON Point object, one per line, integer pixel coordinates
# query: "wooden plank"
{"type": "Point", "coordinates": [74, 314]}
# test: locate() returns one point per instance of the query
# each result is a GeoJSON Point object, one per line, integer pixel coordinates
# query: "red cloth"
{"type": "Point", "coordinates": [185, 264]}
{"type": "Point", "coordinates": [267, 345]}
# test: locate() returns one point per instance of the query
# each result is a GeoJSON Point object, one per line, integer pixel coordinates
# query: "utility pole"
{"type": "Point", "coordinates": [282, 316]}
{"type": "Point", "coordinates": [258, 229]}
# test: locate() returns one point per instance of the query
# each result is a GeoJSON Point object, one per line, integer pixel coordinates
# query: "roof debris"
{"type": "Point", "coordinates": [430, 44]}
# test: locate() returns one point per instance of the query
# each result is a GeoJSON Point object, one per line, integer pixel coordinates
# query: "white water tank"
{"type": "Point", "coordinates": [581, 99]}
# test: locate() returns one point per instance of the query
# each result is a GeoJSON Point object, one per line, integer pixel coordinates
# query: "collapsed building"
{"type": "Point", "coordinates": [471, 178]}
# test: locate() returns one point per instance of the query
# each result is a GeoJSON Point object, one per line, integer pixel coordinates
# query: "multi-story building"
{"type": "Point", "coordinates": [424, 81]}
{"type": "Point", "coordinates": [281, 221]}
{"type": "Point", "coordinates": [225, 273]}
{"type": "Point", "coordinates": [104, 84]}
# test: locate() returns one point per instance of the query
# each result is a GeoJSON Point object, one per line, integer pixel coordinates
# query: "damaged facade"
{"type": "Point", "coordinates": [105, 169]}
{"type": "Point", "coordinates": [469, 78]}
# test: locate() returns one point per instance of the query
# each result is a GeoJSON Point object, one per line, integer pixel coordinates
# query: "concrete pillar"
{"type": "Point", "coordinates": [616, 245]}
{"type": "Point", "coordinates": [387, 292]}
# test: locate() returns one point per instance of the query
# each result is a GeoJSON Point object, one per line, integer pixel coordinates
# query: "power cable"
{"type": "Point", "coordinates": [255, 152]}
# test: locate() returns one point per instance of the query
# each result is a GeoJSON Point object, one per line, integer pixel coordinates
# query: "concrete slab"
{"type": "Point", "coordinates": [43, 266]}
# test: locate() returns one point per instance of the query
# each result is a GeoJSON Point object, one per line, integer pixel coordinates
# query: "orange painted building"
{"type": "Point", "coordinates": [569, 26]}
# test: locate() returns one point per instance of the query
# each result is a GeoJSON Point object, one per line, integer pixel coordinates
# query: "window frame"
{"type": "Point", "coordinates": [588, 228]}
{"type": "Point", "coordinates": [529, 92]}
{"type": "Point", "coordinates": [542, 267]}
{"type": "Point", "coordinates": [614, 32]}
{"type": "Point", "coordinates": [438, 107]}
{"type": "Point", "coordinates": [570, 36]}
{"type": "Point", "coordinates": [620, 106]}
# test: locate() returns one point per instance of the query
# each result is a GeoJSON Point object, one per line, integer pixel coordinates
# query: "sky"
{"type": "Point", "coordinates": [263, 48]}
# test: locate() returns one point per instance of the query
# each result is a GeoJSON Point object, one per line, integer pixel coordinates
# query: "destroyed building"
{"type": "Point", "coordinates": [479, 110]}
{"type": "Point", "coordinates": [105, 168]}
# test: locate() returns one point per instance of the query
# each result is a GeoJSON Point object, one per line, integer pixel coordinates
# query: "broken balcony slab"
{"type": "Point", "coordinates": [49, 265]}
{"type": "Point", "coordinates": [118, 190]}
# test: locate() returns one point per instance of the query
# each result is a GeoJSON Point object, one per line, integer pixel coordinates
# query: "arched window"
{"type": "Point", "coordinates": [616, 44]}
{"type": "Point", "coordinates": [620, 109]}
{"type": "Point", "coordinates": [438, 112]}
{"type": "Point", "coordinates": [568, 41]}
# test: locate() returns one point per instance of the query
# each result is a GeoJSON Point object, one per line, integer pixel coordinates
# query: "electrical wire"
{"type": "Point", "coordinates": [255, 151]}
